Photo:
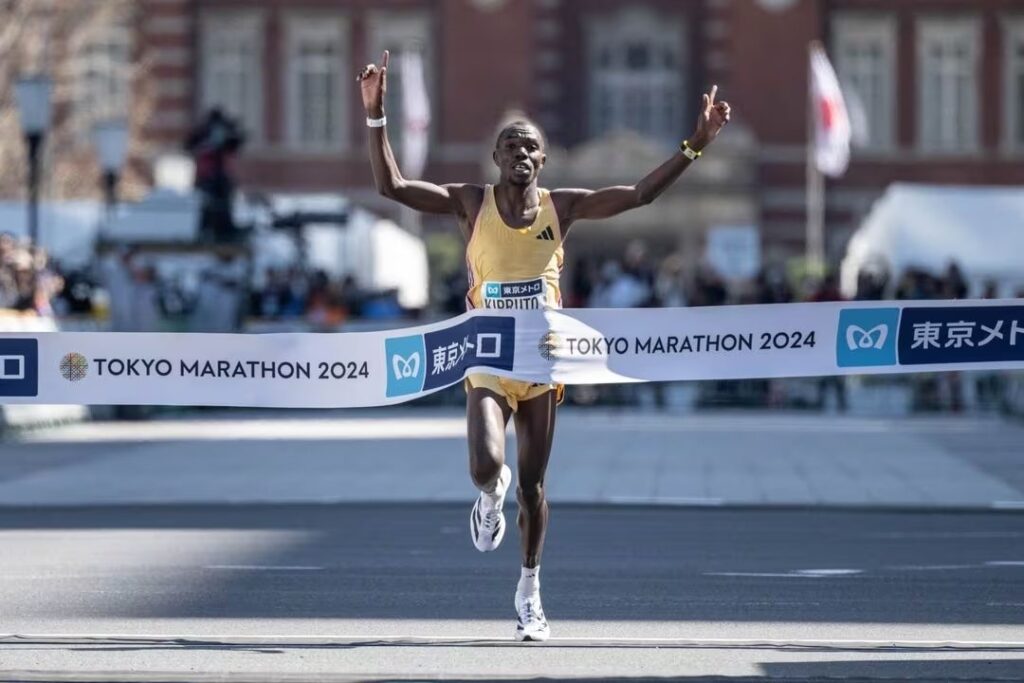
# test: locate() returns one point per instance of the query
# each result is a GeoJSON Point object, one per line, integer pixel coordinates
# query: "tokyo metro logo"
{"type": "Point", "coordinates": [867, 337]}
{"type": "Point", "coordinates": [405, 364]}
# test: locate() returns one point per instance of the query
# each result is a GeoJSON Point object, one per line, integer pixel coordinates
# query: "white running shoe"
{"type": "Point", "coordinates": [531, 624]}
{"type": "Point", "coordinates": [487, 528]}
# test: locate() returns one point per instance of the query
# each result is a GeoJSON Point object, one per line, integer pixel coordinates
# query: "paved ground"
{"type": "Point", "coordinates": [328, 546]}
{"type": "Point", "coordinates": [333, 592]}
{"type": "Point", "coordinates": [600, 457]}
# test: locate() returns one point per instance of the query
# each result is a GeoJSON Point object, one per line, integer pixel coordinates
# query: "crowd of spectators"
{"type": "Point", "coordinates": [294, 293]}
{"type": "Point", "coordinates": [636, 280]}
{"type": "Point", "coordinates": [28, 284]}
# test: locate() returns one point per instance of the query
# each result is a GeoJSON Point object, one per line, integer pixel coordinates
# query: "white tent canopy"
{"type": "Point", "coordinates": [981, 229]}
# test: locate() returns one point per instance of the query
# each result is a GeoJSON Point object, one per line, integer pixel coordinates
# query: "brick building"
{"type": "Point", "coordinates": [615, 84]}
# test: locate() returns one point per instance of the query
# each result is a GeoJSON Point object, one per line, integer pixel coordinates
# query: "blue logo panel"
{"type": "Point", "coordinates": [19, 367]}
{"type": "Point", "coordinates": [406, 365]}
{"type": "Point", "coordinates": [963, 334]}
{"type": "Point", "coordinates": [482, 340]}
{"type": "Point", "coordinates": [867, 337]}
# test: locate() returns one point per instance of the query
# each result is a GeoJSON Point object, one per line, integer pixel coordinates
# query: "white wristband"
{"type": "Point", "coordinates": [376, 123]}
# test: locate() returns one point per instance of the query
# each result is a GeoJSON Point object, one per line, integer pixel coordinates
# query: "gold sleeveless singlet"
{"type": "Point", "coordinates": [514, 268]}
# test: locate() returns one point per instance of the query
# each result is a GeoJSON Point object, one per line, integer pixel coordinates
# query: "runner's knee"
{"type": "Point", "coordinates": [486, 456]}
{"type": "Point", "coordinates": [531, 494]}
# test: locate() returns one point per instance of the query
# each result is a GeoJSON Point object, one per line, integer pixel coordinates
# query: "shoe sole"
{"type": "Point", "coordinates": [532, 638]}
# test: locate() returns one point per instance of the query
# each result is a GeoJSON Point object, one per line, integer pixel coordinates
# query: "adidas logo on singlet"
{"type": "Point", "coordinates": [548, 234]}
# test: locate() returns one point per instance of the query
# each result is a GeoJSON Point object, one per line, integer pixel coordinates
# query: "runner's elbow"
{"type": "Point", "coordinates": [389, 187]}
{"type": "Point", "coordinates": [643, 197]}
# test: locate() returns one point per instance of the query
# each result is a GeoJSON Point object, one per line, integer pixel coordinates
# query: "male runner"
{"type": "Point", "coordinates": [514, 233]}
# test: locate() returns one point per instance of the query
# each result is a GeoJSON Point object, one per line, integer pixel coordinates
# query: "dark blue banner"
{"type": "Point", "coordinates": [481, 340]}
{"type": "Point", "coordinates": [19, 367]}
{"type": "Point", "coordinates": [961, 335]}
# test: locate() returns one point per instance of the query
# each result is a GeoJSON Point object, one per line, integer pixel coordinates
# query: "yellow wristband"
{"type": "Point", "coordinates": [689, 152]}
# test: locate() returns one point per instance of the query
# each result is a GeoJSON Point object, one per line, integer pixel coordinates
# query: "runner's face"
{"type": "Point", "coordinates": [519, 155]}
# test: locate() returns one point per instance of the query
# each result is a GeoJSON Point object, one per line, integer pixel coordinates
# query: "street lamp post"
{"type": "Point", "coordinates": [33, 96]}
{"type": "Point", "coordinates": [111, 141]}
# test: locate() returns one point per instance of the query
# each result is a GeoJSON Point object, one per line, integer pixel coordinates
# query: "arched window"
{"type": "Point", "coordinates": [637, 74]}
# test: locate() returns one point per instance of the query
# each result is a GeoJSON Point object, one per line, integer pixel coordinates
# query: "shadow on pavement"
{"type": "Point", "coordinates": [601, 564]}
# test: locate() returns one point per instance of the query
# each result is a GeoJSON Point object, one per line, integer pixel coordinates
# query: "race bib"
{"type": "Point", "coordinates": [526, 294]}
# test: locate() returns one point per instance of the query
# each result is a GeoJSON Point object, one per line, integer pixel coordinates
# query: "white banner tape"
{"type": "Point", "coordinates": [576, 346]}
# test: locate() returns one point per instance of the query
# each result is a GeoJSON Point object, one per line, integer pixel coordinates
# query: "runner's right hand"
{"type": "Point", "coordinates": [373, 83]}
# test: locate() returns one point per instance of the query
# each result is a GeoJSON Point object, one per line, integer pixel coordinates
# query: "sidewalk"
{"type": "Point", "coordinates": [602, 457]}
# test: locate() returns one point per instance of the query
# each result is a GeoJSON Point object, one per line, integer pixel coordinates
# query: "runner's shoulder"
{"type": "Point", "coordinates": [564, 197]}
{"type": "Point", "coordinates": [469, 195]}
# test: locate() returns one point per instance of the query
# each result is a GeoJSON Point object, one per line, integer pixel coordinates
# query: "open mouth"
{"type": "Point", "coordinates": [522, 168]}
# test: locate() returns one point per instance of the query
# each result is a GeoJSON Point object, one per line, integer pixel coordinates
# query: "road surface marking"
{"type": "Point", "coordinates": [931, 567]}
{"type": "Point", "coordinates": [769, 575]}
{"type": "Point", "coordinates": [263, 568]}
{"type": "Point", "coordinates": [794, 573]}
{"type": "Point", "coordinates": [829, 572]}
{"type": "Point", "coordinates": [267, 640]}
{"type": "Point", "coordinates": [929, 535]}
{"type": "Point", "coordinates": [1008, 504]}
{"type": "Point", "coordinates": [664, 500]}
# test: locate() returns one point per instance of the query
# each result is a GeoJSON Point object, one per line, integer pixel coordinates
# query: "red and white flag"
{"type": "Point", "coordinates": [416, 114]}
{"type": "Point", "coordinates": [831, 118]}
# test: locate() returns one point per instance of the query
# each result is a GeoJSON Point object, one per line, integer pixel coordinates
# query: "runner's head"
{"type": "Point", "coordinates": [519, 152]}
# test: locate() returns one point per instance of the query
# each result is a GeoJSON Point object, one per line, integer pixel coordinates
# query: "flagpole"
{"type": "Point", "coordinates": [815, 227]}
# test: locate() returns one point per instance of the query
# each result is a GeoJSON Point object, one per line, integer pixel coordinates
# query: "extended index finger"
{"type": "Point", "coordinates": [384, 59]}
{"type": "Point", "coordinates": [714, 91]}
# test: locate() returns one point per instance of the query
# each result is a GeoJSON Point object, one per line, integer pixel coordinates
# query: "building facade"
{"type": "Point", "coordinates": [614, 83]}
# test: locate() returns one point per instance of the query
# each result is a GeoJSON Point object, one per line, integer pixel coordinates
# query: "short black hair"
{"type": "Point", "coordinates": [521, 125]}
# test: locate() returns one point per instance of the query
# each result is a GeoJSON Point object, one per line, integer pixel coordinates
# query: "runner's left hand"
{"type": "Point", "coordinates": [712, 118]}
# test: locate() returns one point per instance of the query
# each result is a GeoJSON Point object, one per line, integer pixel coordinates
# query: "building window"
{"type": "Point", "coordinates": [864, 52]}
{"type": "Point", "coordinates": [317, 106]}
{"type": "Point", "coordinates": [102, 81]}
{"type": "Point", "coordinates": [1015, 83]}
{"type": "Point", "coordinates": [399, 33]}
{"type": "Point", "coordinates": [230, 73]}
{"type": "Point", "coordinates": [948, 56]}
{"type": "Point", "coordinates": [637, 68]}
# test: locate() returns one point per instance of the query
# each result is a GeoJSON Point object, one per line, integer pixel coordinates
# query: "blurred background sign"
{"type": "Point", "coordinates": [734, 250]}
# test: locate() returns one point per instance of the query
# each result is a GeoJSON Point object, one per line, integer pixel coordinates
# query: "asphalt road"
{"type": "Point", "coordinates": [389, 591]}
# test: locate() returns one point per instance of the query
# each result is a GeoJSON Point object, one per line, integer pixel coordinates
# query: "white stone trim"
{"type": "Point", "coordinates": [170, 56]}
{"type": "Point", "coordinates": [165, 119]}
{"type": "Point", "coordinates": [173, 87]}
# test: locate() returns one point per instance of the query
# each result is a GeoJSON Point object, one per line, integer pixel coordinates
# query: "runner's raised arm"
{"type": "Point", "coordinates": [587, 204]}
{"type": "Point", "coordinates": [416, 194]}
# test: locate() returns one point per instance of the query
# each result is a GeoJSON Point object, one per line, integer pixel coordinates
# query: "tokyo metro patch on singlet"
{"type": "Point", "coordinates": [522, 295]}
